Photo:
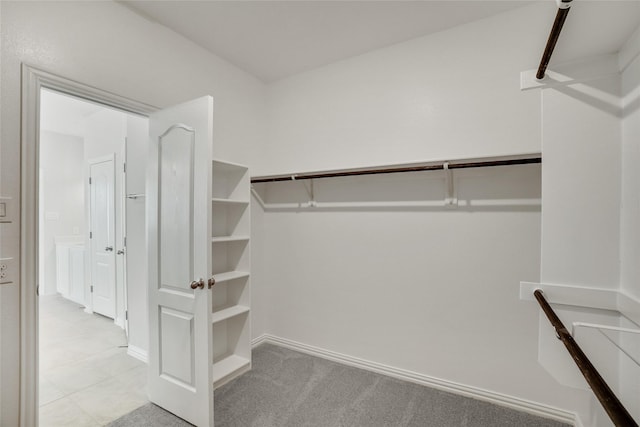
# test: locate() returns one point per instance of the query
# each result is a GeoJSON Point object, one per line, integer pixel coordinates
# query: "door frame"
{"type": "Point", "coordinates": [33, 80]}
{"type": "Point", "coordinates": [87, 290]}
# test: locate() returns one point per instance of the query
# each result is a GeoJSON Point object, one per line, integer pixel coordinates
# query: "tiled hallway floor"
{"type": "Point", "coordinates": [86, 377]}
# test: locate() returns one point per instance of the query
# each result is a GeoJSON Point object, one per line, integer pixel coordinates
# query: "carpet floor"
{"type": "Point", "coordinates": [286, 388]}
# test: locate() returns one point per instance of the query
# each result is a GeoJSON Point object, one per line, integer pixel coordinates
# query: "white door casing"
{"type": "Point", "coordinates": [102, 229]}
{"type": "Point", "coordinates": [179, 245]}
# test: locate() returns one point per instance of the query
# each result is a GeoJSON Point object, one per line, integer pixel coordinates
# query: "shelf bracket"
{"type": "Point", "coordinates": [602, 329]}
{"type": "Point", "coordinates": [258, 197]}
{"type": "Point", "coordinates": [450, 201]}
{"type": "Point", "coordinates": [310, 191]}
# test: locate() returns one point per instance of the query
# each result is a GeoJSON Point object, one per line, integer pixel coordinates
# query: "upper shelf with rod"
{"type": "Point", "coordinates": [422, 191]}
{"type": "Point", "coordinates": [418, 167]}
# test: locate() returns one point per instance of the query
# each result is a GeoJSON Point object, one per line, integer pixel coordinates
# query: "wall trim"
{"type": "Point", "coordinates": [138, 353]}
{"type": "Point", "coordinates": [500, 399]}
{"type": "Point", "coordinates": [259, 340]}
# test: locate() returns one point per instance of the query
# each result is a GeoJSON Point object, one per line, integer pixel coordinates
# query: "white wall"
{"type": "Point", "coordinates": [433, 291]}
{"type": "Point", "coordinates": [62, 160]}
{"type": "Point", "coordinates": [107, 46]}
{"type": "Point", "coordinates": [429, 291]}
{"type": "Point", "coordinates": [453, 94]}
{"type": "Point", "coordinates": [581, 184]}
{"type": "Point", "coordinates": [630, 213]}
{"type": "Point", "coordinates": [630, 219]}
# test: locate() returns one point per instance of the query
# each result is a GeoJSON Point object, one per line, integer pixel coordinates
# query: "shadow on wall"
{"type": "Point", "coordinates": [500, 188]}
{"type": "Point", "coordinates": [602, 94]}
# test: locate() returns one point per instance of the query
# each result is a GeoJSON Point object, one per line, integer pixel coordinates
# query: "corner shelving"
{"type": "Point", "coordinates": [231, 295]}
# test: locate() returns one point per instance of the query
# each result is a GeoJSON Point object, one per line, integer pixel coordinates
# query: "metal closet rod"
{"type": "Point", "coordinates": [429, 167]}
{"type": "Point", "coordinates": [561, 16]}
{"type": "Point", "coordinates": [609, 401]}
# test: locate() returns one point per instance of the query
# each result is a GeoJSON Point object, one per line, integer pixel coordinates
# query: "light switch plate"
{"type": "Point", "coordinates": [6, 210]}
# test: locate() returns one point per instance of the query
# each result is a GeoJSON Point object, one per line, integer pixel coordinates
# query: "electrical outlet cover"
{"type": "Point", "coordinates": [8, 271]}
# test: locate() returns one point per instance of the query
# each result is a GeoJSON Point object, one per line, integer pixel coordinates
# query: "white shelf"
{"type": "Point", "coordinates": [230, 201]}
{"type": "Point", "coordinates": [230, 275]}
{"type": "Point", "coordinates": [223, 239]}
{"type": "Point", "coordinates": [227, 313]}
{"type": "Point", "coordinates": [230, 260]}
{"type": "Point", "coordinates": [228, 365]}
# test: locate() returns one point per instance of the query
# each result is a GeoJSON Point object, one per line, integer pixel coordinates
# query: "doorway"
{"type": "Point", "coordinates": [83, 308]}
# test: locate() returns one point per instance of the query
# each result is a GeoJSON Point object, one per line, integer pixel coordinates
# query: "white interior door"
{"type": "Point", "coordinates": [103, 225]}
{"type": "Point", "coordinates": [178, 212]}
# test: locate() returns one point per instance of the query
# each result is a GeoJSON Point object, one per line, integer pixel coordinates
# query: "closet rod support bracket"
{"type": "Point", "coordinates": [451, 200]}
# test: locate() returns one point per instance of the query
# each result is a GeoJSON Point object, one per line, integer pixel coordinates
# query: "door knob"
{"type": "Point", "coordinates": [109, 249]}
{"type": "Point", "coordinates": [198, 284]}
{"type": "Point", "coordinates": [211, 282]}
{"type": "Point", "coordinates": [120, 252]}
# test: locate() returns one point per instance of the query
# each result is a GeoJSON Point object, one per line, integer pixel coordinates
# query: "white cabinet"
{"type": "Point", "coordinates": [70, 271]}
{"type": "Point", "coordinates": [231, 294]}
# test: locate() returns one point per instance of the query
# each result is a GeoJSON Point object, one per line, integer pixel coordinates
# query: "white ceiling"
{"type": "Point", "coordinates": [64, 114]}
{"type": "Point", "coordinates": [276, 39]}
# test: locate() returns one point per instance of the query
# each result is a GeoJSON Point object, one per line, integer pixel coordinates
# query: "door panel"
{"type": "Point", "coordinates": [178, 212]}
{"type": "Point", "coordinates": [102, 214]}
{"type": "Point", "coordinates": [176, 208]}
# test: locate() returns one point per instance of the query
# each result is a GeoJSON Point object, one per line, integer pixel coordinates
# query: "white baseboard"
{"type": "Point", "coordinates": [138, 353]}
{"type": "Point", "coordinates": [259, 340]}
{"type": "Point", "coordinates": [414, 377]}
{"type": "Point", "coordinates": [119, 321]}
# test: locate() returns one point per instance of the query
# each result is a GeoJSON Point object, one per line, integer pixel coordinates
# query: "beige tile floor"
{"type": "Point", "coordinates": [86, 377]}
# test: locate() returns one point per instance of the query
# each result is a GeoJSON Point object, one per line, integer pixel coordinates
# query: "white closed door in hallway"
{"type": "Point", "coordinates": [102, 217]}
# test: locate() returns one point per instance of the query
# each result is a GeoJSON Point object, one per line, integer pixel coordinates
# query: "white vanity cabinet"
{"type": "Point", "coordinates": [70, 270]}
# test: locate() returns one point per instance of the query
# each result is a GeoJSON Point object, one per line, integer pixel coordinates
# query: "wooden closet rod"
{"type": "Point", "coordinates": [561, 16]}
{"type": "Point", "coordinates": [611, 404]}
{"type": "Point", "coordinates": [429, 167]}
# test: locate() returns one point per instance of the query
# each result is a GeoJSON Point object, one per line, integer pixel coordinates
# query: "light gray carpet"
{"type": "Point", "coordinates": [290, 389]}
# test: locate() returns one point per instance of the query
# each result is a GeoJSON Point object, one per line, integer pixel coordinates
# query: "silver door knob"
{"type": "Point", "coordinates": [109, 249]}
{"type": "Point", "coordinates": [120, 252]}
{"type": "Point", "coordinates": [211, 282]}
{"type": "Point", "coordinates": [197, 284]}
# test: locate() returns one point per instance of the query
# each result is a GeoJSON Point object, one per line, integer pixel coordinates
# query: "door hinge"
{"type": "Point", "coordinates": [89, 180]}
{"type": "Point", "coordinates": [124, 167]}
{"type": "Point", "coordinates": [91, 234]}
{"type": "Point", "coordinates": [91, 288]}
{"type": "Point", "coordinates": [126, 315]}
{"type": "Point", "coordinates": [125, 241]}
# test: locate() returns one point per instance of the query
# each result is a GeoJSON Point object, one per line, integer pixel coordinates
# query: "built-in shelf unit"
{"type": "Point", "coordinates": [231, 294]}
